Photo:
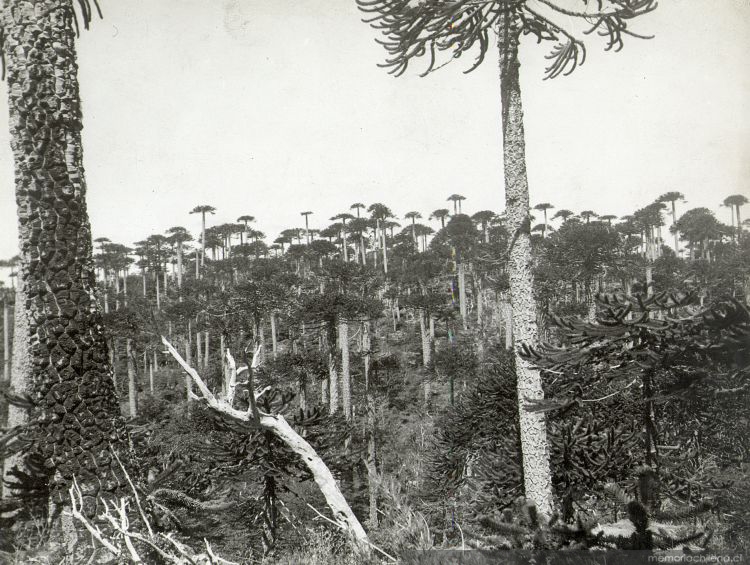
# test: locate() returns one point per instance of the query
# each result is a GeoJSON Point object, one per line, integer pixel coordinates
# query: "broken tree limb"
{"type": "Point", "coordinates": [278, 425]}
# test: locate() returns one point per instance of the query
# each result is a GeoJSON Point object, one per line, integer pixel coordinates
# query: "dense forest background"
{"type": "Point", "coordinates": [387, 345]}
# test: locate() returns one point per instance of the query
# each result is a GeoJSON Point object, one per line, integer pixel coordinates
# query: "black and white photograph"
{"type": "Point", "coordinates": [369, 282]}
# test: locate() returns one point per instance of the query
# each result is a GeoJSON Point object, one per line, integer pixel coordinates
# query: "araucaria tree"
{"type": "Point", "coordinates": [413, 29]}
{"type": "Point", "coordinates": [61, 352]}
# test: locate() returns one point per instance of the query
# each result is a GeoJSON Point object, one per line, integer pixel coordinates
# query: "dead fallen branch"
{"type": "Point", "coordinates": [277, 424]}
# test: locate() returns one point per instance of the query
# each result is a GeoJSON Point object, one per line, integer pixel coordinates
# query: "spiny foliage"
{"type": "Point", "coordinates": [415, 28]}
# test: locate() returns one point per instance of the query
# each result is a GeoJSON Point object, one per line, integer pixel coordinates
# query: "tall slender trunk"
{"type": "Point", "coordinates": [426, 355]}
{"type": "Point", "coordinates": [199, 349]}
{"type": "Point", "coordinates": [179, 264]}
{"type": "Point", "coordinates": [426, 339]}
{"type": "Point", "coordinates": [372, 478]}
{"type": "Point", "coordinates": [158, 293]}
{"type": "Point", "coordinates": [480, 301]}
{"type": "Point", "coordinates": [676, 238]}
{"type": "Point", "coordinates": [188, 358]}
{"type": "Point", "coordinates": [203, 240]}
{"type": "Point", "coordinates": [132, 384]}
{"type": "Point", "coordinates": [6, 340]}
{"type": "Point", "coordinates": [534, 446]}
{"type": "Point", "coordinates": [333, 382]}
{"type": "Point", "coordinates": [364, 250]}
{"type": "Point", "coordinates": [117, 290]}
{"type": "Point", "coordinates": [274, 342]}
{"type": "Point", "coordinates": [462, 291]}
{"type": "Point", "coordinates": [206, 341]}
{"type": "Point", "coordinates": [56, 262]}
{"type": "Point", "coordinates": [346, 385]}
{"type": "Point", "coordinates": [739, 224]}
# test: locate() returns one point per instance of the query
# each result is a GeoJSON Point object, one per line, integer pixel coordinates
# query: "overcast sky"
{"type": "Point", "coordinates": [270, 108]}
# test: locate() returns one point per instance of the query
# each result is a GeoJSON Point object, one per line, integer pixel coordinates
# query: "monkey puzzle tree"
{"type": "Point", "coordinates": [380, 213]}
{"type": "Point", "coordinates": [440, 214]}
{"type": "Point", "coordinates": [307, 225]}
{"type": "Point", "coordinates": [61, 356]}
{"type": "Point", "coordinates": [413, 29]}
{"type": "Point", "coordinates": [483, 218]}
{"type": "Point", "coordinates": [413, 216]}
{"type": "Point", "coordinates": [736, 201]}
{"type": "Point", "coordinates": [343, 217]}
{"type": "Point", "coordinates": [179, 236]}
{"type": "Point", "coordinates": [544, 206]}
{"type": "Point", "coordinates": [672, 197]}
{"type": "Point", "coordinates": [203, 210]}
{"type": "Point", "coordinates": [698, 226]}
{"type": "Point", "coordinates": [456, 199]}
{"type": "Point", "coordinates": [564, 214]}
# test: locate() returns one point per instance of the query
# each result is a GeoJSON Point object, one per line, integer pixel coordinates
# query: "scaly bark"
{"type": "Point", "coordinates": [534, 446]}
{"type": "Point", "coordinates": [67, 364]}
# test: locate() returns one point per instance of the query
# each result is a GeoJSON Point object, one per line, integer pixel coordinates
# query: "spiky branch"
{"type": "Point", "coordinates": [412, 29]}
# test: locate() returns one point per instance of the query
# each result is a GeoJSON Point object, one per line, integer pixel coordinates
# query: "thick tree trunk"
{"type": "Point", "coordinates": [132, 385]}
{"type": "Point", "coordinates": [67, 363]}
{"type": "Point", "coordinates": [534, 446]}
{"type": "Point", "coordinates": [346, 385]}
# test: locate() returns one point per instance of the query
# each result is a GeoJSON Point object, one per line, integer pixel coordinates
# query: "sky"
{"type": "Point", "coordinates": [272, 108]}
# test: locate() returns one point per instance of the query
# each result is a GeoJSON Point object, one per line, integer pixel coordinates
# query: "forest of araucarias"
{"type": "Point", "coordinates": [375, 281]}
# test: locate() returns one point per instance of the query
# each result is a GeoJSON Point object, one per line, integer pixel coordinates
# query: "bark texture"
{"type": "Point", "coordinates": [70, 375]}
{"type": "Point", "coordinates": [536, 466]}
